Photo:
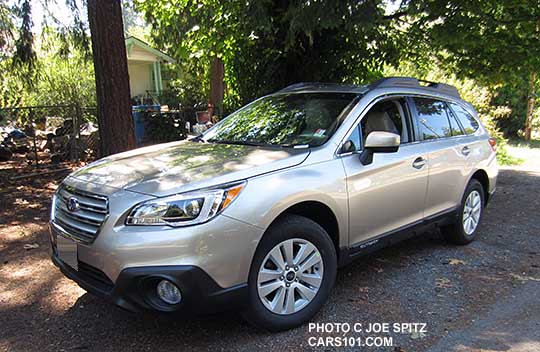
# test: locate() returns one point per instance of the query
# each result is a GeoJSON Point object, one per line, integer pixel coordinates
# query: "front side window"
{"type": "Point", "coordinates": [386, 116]}
{"type": "Point", "coordinates": [470, 125]}
{"type": "Point", "coordinates": [432, 118]}
{"type": "Point", "coordinates": [287, 120]}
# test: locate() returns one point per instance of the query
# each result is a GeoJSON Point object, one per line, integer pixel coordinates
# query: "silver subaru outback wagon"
{"type": "Point", "coordinates": [260, 211]}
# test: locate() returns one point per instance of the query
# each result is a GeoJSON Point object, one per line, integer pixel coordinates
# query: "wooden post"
{"type": "Point", "coordinates": [527, 132]}
{"type": "Point", "coordinates": [75, 133]}
{"type": "Point", "coordinates": [31, 114]}
{"type": "Point", "coordinates": [217, 84]}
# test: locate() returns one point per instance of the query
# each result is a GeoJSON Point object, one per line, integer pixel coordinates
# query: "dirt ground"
{"type": "Point", "coordinates": [484, 296]}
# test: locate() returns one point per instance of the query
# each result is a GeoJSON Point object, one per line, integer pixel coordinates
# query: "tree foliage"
{"type": "Point", "coordinates": [491, 40]}
{"type": "Point", "coordinates": [266, 45]}
{"type": "Point", "coordinates": [495, 42]}
{"type": "Point", "coordinates": [7, 29]}
{"type": "Point", "coordinates": [62, 75]}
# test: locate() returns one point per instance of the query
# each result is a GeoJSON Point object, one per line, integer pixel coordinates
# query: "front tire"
{"type": "Point", "coordinates": [466, 223]}
{"type": "Point", "coordinates": [292, 274]}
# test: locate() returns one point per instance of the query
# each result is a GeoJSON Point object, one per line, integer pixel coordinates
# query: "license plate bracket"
{"type": "Point", "coordinates": [67, 251]}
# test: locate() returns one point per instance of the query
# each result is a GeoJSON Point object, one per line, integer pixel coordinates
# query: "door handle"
{"type": "Point", "coordinates": [465, 151]}
{"type": "Point", "coordinates": [419, 163]}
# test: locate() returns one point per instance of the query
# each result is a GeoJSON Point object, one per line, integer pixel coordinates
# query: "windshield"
{"type": "Point", "coordinates": [286, 120]}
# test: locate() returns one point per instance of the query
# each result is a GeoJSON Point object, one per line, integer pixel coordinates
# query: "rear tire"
{"type": "Point", "coordinates": [469, 214]}
{"type": "Point", "coordinates": [292, 274]}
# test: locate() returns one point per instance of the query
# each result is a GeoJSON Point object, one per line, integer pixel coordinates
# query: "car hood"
{"type": "Point", "coordinates": [182, 166]}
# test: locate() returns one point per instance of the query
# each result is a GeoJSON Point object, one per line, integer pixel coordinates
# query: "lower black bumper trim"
{"type": "Point", "coordinates": [134, 289]}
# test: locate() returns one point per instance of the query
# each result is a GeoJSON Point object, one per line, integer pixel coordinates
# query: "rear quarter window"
{"type": "Point", "coordinates": [469, 123]}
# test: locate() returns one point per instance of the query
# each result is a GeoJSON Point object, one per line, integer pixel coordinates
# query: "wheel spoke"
{"type": "Point", "coordinates": [277, 258]}
{"type": "Point", "coordinates": [290, 301]}
{"type": "Point", "coordinates": [475, 200]}
{"type": "Point", "coordinates": [266, 289]}
{"type": "Point", "coordinates": [311, 279]}
{"type": "Point", "coordinates": [312, 260]}
{"type": "Point", "coordinates": [306, 292]}
{"type": "Point", "coordinates": [288, 251]}
{"type": "Point", "coordinates": [305, 250]}
{"type": "Point", "coordinates": [268, 275]}
{"type": "Point", "coordinates": [279, 299]}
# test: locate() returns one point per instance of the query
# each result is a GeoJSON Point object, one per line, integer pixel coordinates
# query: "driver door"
{"type": "Point", "coordinates": [390, 192]}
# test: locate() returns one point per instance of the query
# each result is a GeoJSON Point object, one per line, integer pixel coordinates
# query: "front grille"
{"type": "Point", "coordinates": [82, 224]}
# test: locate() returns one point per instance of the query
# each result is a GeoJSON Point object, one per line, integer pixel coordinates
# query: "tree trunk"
{"type": "Point", "coordinates": [115, 121]}
{"type": "Point", "coordinates": [530, 107]}
{"type": "Point", "coordinates": [217, 85]}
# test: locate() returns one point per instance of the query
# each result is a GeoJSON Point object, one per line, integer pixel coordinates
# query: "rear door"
{"type": "Point", "coordinates": [448, 154]}
{"type": "Point", "coordinates": [475, 143]}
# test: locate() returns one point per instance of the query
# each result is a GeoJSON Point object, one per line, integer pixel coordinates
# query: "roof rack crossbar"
{"type": "Point", "coordinates": [415, 83]}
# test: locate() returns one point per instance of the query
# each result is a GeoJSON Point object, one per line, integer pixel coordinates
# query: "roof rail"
{"type": "Point", "coordinates": [318, 85]}
{"type": "Point", "coordinates": [415, 83]}
{"type": "Point", "coordinates": [297, 86]}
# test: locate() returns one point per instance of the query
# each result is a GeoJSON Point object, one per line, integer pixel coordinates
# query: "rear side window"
{"type": "Point", "coordinates": [454, 125]}
{"type": "Point", "coordinates": [432, 118]}
{"type": "Point", "coordinates": [470, 125]}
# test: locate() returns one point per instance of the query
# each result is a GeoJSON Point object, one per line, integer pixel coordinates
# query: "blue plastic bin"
{"type": "Point", "coordinates": [139, 117]}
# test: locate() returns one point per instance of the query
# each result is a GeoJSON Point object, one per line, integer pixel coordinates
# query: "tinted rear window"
{"type": "Point", "coordinates": [469, 123]}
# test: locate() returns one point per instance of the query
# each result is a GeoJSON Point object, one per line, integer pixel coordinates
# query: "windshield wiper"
{"type": "Point", "coordinates": [254, 144]}
{"type": "Point", "coordinates": [259, 144]}
{"type": "Point", "coordinates": [297, 146]}
{"type": "Point", "coordinates": [198, 139]}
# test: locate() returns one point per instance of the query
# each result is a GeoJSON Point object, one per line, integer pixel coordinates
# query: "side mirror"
{"type": "Point", "coordinates": [379, 142]}
{"type": "Point", "coordinates": [382, 142]}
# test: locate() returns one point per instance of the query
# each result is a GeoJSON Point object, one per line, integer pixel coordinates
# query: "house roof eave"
{"type": "Point", "coordinates": [130, 41]}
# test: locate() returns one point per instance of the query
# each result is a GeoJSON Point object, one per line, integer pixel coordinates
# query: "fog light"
{"type": "Point", "coordinates": [168, 292]}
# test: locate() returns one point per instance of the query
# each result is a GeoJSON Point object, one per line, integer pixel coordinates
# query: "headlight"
{"type": "Point", "coordinates": [184, 209]}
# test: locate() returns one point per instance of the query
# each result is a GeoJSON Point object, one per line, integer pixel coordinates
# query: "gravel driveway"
{"type": "Point", "coordinates": [484, 296]}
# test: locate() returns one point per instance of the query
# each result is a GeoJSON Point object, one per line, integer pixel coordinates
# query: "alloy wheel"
{"type": "Point", "coordinates": [471, 212]}
{"type": "Point", "coordinates": [290, 276]}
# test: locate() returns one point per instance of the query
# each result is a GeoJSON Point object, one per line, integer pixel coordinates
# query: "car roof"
{"type": "Point", "coordinates": [389, 82]}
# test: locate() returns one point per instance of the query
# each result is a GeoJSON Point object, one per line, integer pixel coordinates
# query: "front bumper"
{"type": "Point", "coordinates": [222, 247]}
{"type": "Point", "coordinates": [209, 262]}
{"type": "Point", "coordinates": [134, 289]}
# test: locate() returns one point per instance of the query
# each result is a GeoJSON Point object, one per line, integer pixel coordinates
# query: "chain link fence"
{"type": "Point", "coordinates": [52, 134]}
